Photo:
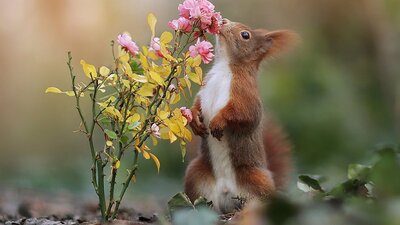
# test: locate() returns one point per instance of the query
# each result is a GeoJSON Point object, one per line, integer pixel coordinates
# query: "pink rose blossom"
{"type": "Point", "coordinates": [181, 24]}
{"type": "Point", "coordinates": [187, 113]}
{"type": "Point", "coordinates": [155, 46]}
{"type": "Point", "coordinates": [216, 23]}
{"type": "Point", "coordinates": [127, 44]}
{"type": "Point", "coordinates": [202, 48]}
{"type": "Point", "coordinates": [155, 130]}
{"type": "Point", "coordinates": [201, 13]}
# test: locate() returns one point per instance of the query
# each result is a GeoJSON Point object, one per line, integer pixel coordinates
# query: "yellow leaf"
{"type": "Point", "coordinates": [156, 161]}
{"type": "Point", "coordinates": [163, 115]}
{"type": "Point", "coordinates": [196, 61]}
{"type": "Point", "coordinates": [166, 37]}
{"type": "Point", "coordinates": [117, 164]}
{"type": "Point", "coordinates": [138, 78]}
{"type": "Point", "coordinates": [199, 73]}
{"type": "Point", "coordinates": [89, 69]}
{"type": "Point", "coordinates": [187, 134]}
{"type": "Point", "coordinates": [123, 57]}
{"type": "Point", "coordinates": [146, 155]}
{"type": "Point", "coordinates": [104, 71]}
{"type": "Point", "coordinates": [138, 149]}
{"type": "Point", "coordinates": [146, 91]}
{"type": "Point", "coordinates": [175, 98]}
{"type": "Point", "coordinates": [109, 143]}
{"type": "Point", "coordinates": [53, 90]}
{"type": "Point", "coordinates": [157, 78]}
{"type": "Point", "coordinates": [144, 62]}
{"type": "Point", "coordinates": [126, 83]}
{"type": "Point", "coordinates": [70, 93]}
{"type": "Point", "coordinates": [134, 118]}
{"type": "Point", "coordinates": [154, 139]}
{"type": "Point", "coordinates": [152, 20]}
{"type": "Point", "coordinates": [172, 137]}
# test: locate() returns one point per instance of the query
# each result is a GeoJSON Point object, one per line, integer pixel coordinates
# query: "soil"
{"type": "Point", "coordinates": [26, 207]}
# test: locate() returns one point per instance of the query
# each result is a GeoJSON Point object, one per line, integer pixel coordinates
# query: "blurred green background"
{"type": "Point", "coordinates": [337, 95]}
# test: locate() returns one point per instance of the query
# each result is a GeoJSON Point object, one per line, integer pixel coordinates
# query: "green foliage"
{"type": "Point", "coordinates": [370, 195]}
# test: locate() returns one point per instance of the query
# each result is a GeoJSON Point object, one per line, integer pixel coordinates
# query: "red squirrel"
{"type": "Point", "coordinates": [240, 157]}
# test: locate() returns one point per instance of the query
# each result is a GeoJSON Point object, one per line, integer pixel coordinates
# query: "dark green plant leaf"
{"type": "Point", "coordinates": [136, 68]}
{"type": "Point", "coordinates": [124, 139]}
{"type": "Point", "coordinates": [308, 183]}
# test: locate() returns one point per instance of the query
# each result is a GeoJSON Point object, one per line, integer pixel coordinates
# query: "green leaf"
{"type": "Point", "coordinates": [111, 134]}
{"type": "Point", "coordinates": [105, 121]}
{"type": "Point", "coordinates": [136, 67]}
{"type": "Point", "coordinates": [132, 126]}
{"type": "Point", "coordinates": [124, 139]}
{"type": "Point", "coordinates": [350, 188]}
{"type": "Point", "coordinates": [202, 202]}
{"type": "Point", "coordinates": [358, 171]}
{"type": "Point", "coordinates": [179, 201]}
{"type": "Point", "coordinates": [307, 183]}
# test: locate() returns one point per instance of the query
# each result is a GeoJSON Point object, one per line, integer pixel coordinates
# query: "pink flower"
{"type": "Point", "coordinates": [155, 130]}
{"type": "Point", "coordinates": [127, 44]}
{"type": "Point", "coordinates": [216, 23]}
{"type": "Point", "coordinates": [187, 113]}
{"type": "Point", "coordinates": [202, 14]}
{"type": "Point", "coordinates": [181, 24]}
{"type": "Point", "coordinates": [202, 48]}
{"type": "Point", "coordinates": [155, 46]}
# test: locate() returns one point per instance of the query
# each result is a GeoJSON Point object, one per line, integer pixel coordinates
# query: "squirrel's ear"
{"type": "Point", "coordinates": [276, 42]}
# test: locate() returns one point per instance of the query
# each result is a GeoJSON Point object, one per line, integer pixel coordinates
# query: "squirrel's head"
{"type": "Point", "coordinates": [245, 45]}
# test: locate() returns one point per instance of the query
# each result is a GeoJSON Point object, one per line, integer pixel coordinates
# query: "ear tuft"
{"type": "Point", "coordinates": [280, 41]}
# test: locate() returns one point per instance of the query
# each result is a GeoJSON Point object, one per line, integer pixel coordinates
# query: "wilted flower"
{"type": "Point", "coordinates": [204, 49]}
{"type": "Point", "coordinates": [181, 24]}
{"type": "Point", "coordinates": [171, 88]}
{"type": "Point", "coordinates": [187, 113]}
{"type": "Point", "coordinates": [127, 44]}
{"type": "Point", "coordinates": [155, 130]}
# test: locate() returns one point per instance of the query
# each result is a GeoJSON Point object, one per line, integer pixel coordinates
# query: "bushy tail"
{"type": "Point", "coordinates": [278, 153]}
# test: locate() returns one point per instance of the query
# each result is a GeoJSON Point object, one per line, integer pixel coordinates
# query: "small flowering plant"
{"type": "Point", "coordinates": [134, 101]}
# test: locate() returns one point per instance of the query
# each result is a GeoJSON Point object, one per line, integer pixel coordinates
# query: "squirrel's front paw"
{"type": "Point", "coordinates": [197, 124]}
{"type": "Point", "coordinates": [217, 128]}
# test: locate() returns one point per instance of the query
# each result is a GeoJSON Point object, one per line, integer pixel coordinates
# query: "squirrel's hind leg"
{"type": "Point", "coordinates": [199, 179]}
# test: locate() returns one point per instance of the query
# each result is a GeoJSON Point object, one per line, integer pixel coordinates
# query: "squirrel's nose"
{"type": "Point", "coordinates": [225, 21]}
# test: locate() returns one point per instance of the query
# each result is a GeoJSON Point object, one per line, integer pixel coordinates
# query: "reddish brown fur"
{"type": "Point", "coordinates": [240, 121]}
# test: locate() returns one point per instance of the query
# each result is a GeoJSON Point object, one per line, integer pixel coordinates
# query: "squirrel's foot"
{"type": "Point", "coordinates": [217, 128]}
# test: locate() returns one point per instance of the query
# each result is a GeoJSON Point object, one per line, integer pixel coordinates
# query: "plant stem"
{"type": "Point", "coordinates": [78, 107]}
{"type": "Point", "coordinates": [126, 183]}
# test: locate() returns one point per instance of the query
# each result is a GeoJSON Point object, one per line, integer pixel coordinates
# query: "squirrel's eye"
{"type": "Point", "coordinates": [245, 35]}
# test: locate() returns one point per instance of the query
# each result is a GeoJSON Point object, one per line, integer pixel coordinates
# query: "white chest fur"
{"type": "Point", "coordinates": [214, 96]}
